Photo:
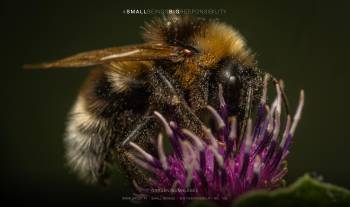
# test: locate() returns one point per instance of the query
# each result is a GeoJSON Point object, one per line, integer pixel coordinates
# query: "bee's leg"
{"type": "Point", "coordinates": [136, 132]}
{"type": "Point", "coordinates": [167, 92]}
{"type": "Point", "coordinates": [144, 131]}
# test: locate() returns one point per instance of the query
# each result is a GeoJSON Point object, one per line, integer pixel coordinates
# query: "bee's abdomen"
{"type": "Point", "coordinates": [87, 143]}
{"type": "Point", "coordinates": [101, 118]}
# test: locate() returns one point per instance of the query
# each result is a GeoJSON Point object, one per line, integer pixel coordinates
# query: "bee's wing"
{"type": "Point", "coordinates": [142, 52]}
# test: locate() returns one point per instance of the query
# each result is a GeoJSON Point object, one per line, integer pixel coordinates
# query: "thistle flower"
{"type": "Point", "coordinates": [220, 165]}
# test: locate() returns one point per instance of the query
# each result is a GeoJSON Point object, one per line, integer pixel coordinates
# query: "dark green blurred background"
{"type": "Point", "coordinates": [305, 43]}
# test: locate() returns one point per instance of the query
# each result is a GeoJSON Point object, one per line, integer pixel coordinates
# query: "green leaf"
{"type": "Point", "coordinates": [306, 191]}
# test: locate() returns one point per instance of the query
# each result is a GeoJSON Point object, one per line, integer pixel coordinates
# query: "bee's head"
{"type": "Point", "coordinates": [217, 55]}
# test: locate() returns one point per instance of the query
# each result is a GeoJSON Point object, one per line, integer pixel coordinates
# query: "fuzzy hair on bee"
{"type": "Point", "coordinates": [176, 71]}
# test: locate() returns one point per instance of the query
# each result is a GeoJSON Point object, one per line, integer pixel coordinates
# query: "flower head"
{"type": "Point", "coordinates": [219, 163]}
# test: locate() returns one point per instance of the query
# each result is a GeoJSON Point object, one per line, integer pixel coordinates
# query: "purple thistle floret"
{"type": "Point", "coordinates": [219, 164]}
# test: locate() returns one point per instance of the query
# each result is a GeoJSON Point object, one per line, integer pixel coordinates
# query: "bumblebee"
{"type": "Point", "coordinates": [177, 71]}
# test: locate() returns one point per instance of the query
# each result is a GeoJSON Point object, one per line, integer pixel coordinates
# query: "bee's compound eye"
{"type": "Point", "coordinates": [228, 78]}
{"type": "Point", "coordinates": [232, 79]}
{"type": "Point", "coordinates": [226, 74]}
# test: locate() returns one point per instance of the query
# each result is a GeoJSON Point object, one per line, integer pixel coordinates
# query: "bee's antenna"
{"type": "Point", "coordinates": [280, 85]}
{"type": "Point", "coordinates": [247, 111]}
